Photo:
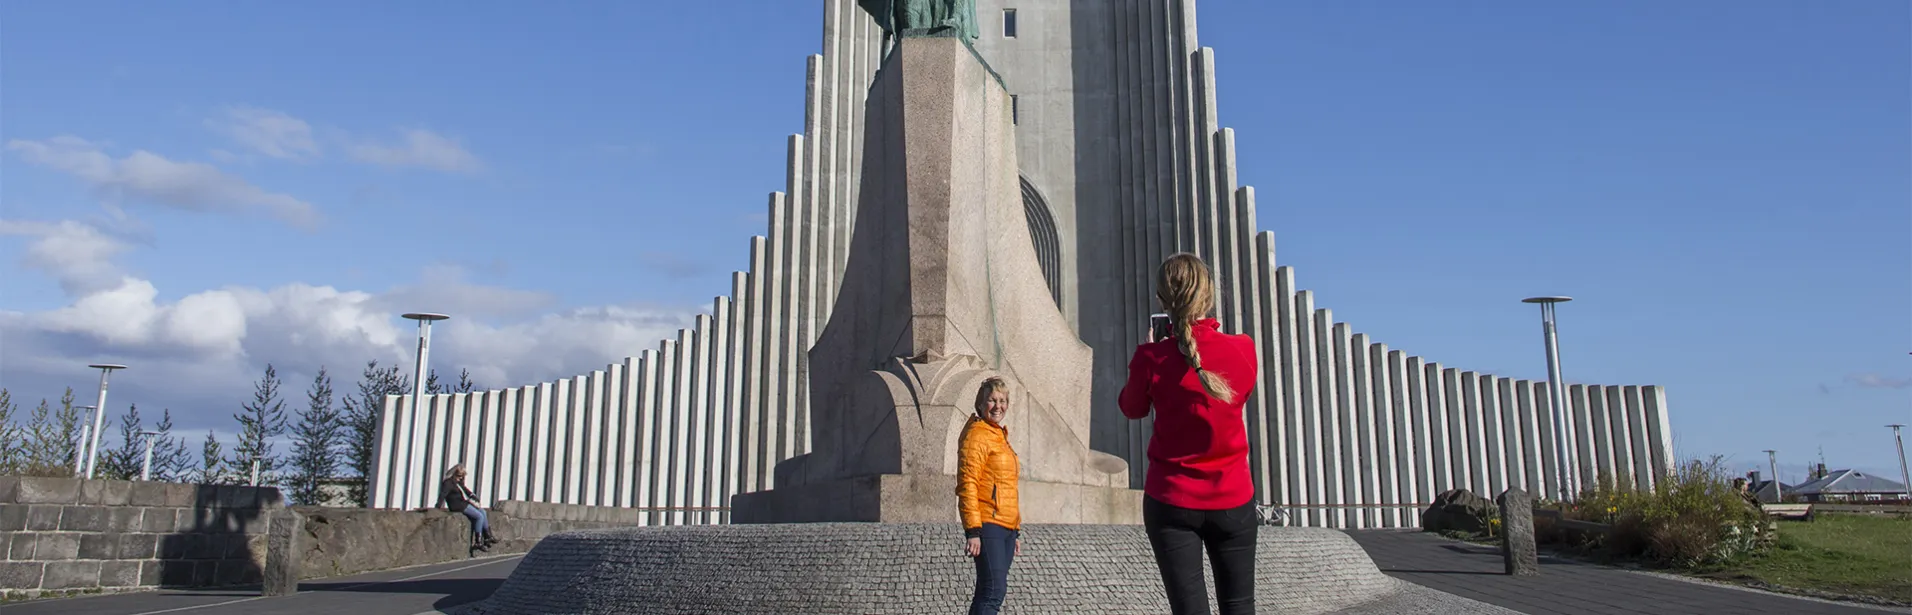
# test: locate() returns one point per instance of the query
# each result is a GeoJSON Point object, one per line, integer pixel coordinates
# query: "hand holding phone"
{"type": "Point", "coordinates": [1159, 325]}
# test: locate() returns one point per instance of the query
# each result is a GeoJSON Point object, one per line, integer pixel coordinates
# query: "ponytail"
{"type": "Point", "coordinates": [1188, 293]}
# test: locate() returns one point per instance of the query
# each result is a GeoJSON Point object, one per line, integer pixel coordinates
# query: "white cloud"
{"type": "Point", "coordinates": [268, 132]}
{"type": "Point", "coordinates": [419, 148]}
{"type": "Point", "coordinates": [79, 256]}
{"type": "Point", "coordinates": [1876, 381]}
{"type": "Point", "coordinates": [199, 354]}
{"type": "Point", "coordinates": [191, 186]}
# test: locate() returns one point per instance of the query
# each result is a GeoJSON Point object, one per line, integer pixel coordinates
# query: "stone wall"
{"type": "Point", "coordinates": [341, 541]}
{"type": "Point", "coordinates": [63, 535]}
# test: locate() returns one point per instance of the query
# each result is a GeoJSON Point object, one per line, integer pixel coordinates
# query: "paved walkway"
{"type": "Point", "coordinates": [1567, 587]}
{"type": "Point", "coordinates": [407, 591]}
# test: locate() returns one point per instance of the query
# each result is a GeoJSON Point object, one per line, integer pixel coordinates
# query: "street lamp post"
{"type": "Point", "coordinates": [1896, 438]}
{"type": "Point", "coordinates": [416, 471]}
{"type": "Point", "coordinates": [79, 448]}
{"type": "Point", "coordinates": [1556, 397]}
{"type": "Point", "coordinates": [99, 416]}
{"type": "Point", "coordinates": [146, 470]}
{"type": "Point", "coordinates": [1772, 463]}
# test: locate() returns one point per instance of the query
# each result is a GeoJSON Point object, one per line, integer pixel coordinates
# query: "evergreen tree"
{"type": "Point", "coordinates": [13, 441]}
{"type": "Point", "coordinates": [52, 439]}
{"type": "Point", "coordinates": [316, 440]}
{"type": "Point", "coordinates": [209, 461]}
{"type": "Point", "coordinates": [67, 423]}
{"type": "Point", "coordinates": [171, 461]}
{"type": "Point", "coordinates": [262, 420]}
{"type": "Point", "coordinates": [432, 386]}
{"type": "Point", "coordinates": [362, 413]}
{"type": "Point", "coordinates": [125, 462]}
{"type": "Point", "coordinates": [465, 385]}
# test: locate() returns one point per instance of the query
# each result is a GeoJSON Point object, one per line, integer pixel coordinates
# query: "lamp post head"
{"type": "Point", "coordinates": [1546, 300]}
{"type": "Point", "coordinates": [107, 366]}
{"type": "Point", "coordinates": [427, 316]}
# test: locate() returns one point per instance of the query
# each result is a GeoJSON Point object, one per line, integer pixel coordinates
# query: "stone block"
{"type": "Point", "coordinates": [124, 518]}
{"type": "Point", "coordinates": [106, 492]}
{"type": "Point", "coordinates": [57, 546]}
{"type": "Point", "coordinates": [36, 490]}
{"type": "Point", "coordinates": [21, 575]}
{"type": "Point", "coordinates": [99, 546]}
{"type": "Point", "coordinates": [204, 572]}
{"type": "Point", "coordinates": [187, 519]}
{"type": "Point", "coordinates": [236, 572]}
{"type": "Point", "coordinates": [43, 518]}
{"type": "Point", "coordinates": [283, 553]}
{"type": "Point", "coordinates": [176, 572]}
{"type": "Point", "coordinates": [156, 520]}
{"type": "Point", "coordinates": [234, 496]}
{"type": "Point", "coordinates": [270, 498]}
{"type": "Point", "coordinates": [9, 489]}
{"type": "Point", "coordinates": [150, 572]}
{"type": "Point", "coordinates": [1517, 533]}
{"type": "Point", "coordinates": [13, 517]}
{"type": "Point", "coordinates": [119, 574]}
{"type": "Point", "coordinates": [83, 518]}
{"type": "Point", "coordinates": [204, 546]}
{"type": "Point", "coordinates": [175, 546]}
{"type": "Point", "coordinates": [71, 575]}
{"type": "Point", "coordinates": [230, 546]}
{"type": "Point", "coordinates": [22, 547]}
{"type": "Point", "coordinates": [180, 495]}
{"type": "Point", "coordinates": [148, 493]}
{"type": "Point", "coordinates": [138, 546]}
{"type": "Point", "coordinates": [6, 543]}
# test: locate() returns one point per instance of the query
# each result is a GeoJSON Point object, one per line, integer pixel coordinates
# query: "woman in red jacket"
{"type": "Point", "coordinates": [1198, 490]}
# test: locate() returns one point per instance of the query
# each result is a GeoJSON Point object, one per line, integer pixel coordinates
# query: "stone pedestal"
{"type": "Point", "coordinates": [942, 289]}
{"type": "Point", "coordinates": [283, 553]}
{"type": "Point", "coordinates": [1517, 533]}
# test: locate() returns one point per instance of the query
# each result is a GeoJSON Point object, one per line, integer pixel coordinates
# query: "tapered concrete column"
{"type": "Point", "coordinates": [758, 454]}
{"type": "Point", "coordinates": [518, 422]}
{"type": "Point", "coordinates": [1415, 463]}
{"type": "Point", "coordinates": [629, 407]}
{"type": "Point", "coordinates": [1347, 450]}
{"type": "Point", "coordinates": [1487, 408]}
{"type": "Point", "coordinates": [1660, 435]}
{"type": "Point", "coordinates": [1368, 486]}
{"type": "Point", "coordinates": [648, 394]}
{"type": "Point", "coordinates": [542, 422]}
{"type": "Point", "coordinates": [1292, 370]}
{"type": "Point", "coordinates": [681, 427]}
{"type": "Point", "coordinates": [1536, 432]}
{"type": "Point", "coordinates": [1640, 449]}
{"type": "Point", "coordinates": [1442, 443]}
{"type": "Point", "coordinates": [1386, 430]}
{"type": "Point", "coordinates": [438, 431]}
{"type": "Point", "coordinates": [1314, 451]}
{"type": "Point", "coordinates": [1328, 371]}
{"type": "Point", "coordinates": [1616, 406]}
{"type": "Point", "coordinates": [1460, 437]}
{"type": "Point", "coordinates": [1513, 434]}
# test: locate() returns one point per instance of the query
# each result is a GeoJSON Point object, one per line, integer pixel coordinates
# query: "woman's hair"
{"type": "Point", "coordinates": [1188, 293]}
{"type": "Point", "coordinates": [989, 388]}
{"type": "Point", "coordinates": [454, 471]}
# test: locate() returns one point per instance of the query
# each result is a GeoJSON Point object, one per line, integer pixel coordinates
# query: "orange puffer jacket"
{"type": "Point", "coordinates": [986, 470]}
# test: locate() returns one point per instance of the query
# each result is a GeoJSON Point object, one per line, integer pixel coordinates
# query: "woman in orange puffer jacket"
{"type": "Point", "coordinates": [986, 471]}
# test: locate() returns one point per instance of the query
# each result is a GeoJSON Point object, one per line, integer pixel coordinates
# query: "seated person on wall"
{"type": "Point", "coordinates": [459, 499]}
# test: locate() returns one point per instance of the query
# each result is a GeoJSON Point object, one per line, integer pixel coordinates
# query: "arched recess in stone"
{"type": "Point", "coordinates": [1042, 233]}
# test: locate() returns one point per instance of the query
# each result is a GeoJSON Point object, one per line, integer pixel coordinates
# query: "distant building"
{"type": "Point", "coordinates": [1849, 486]}
{"type": "Point", "coordinates": [1763, 489]}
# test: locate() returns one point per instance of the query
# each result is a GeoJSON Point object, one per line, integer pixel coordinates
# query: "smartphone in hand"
{"type": "Point", "coordinates": [1159, 327]}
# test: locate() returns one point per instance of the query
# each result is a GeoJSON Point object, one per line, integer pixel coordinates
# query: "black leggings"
{"type": "Point", "coordinates": [1178, 536]}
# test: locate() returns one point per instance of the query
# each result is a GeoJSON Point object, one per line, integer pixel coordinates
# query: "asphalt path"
{"type": "Point", "coordinates": [405, 591]}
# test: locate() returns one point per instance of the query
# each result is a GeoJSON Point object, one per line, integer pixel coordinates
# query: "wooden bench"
{"type": "Point", "coordinates": [1790, 512]}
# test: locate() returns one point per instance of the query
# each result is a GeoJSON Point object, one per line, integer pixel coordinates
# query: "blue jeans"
{"type": "Point", "coordinates": [479, 527]}
{"type": "Point", "coordinates": [992, 569]}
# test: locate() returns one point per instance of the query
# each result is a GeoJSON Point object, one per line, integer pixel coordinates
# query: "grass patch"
{"type": "Point", "coordinates": [1860, 555]}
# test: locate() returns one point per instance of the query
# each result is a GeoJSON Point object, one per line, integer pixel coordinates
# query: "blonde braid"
{"type": "Point", "coordinates": [1187, 293]}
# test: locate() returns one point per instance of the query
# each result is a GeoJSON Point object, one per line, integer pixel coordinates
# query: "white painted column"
{"type": "Point", "coordinates": [543, 423]}
{"type": "Point", "coordinates": [469, 406]}
{"type": "Point", "coordinates": [571, 475]}
{"type": "Point", "coordinates": [1367, 488]}
{"type": "Point", "coordinates": [518, 422]}
{"type": "Point", "coordinates": [378, 486]}
{"type": "Point", "coordinates": [439, 432]}
{"type": "Point", "coordinates": [616, 469]}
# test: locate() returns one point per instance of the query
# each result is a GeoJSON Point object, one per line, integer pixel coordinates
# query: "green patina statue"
{"type": "Point", "coordinates": [926, 17]}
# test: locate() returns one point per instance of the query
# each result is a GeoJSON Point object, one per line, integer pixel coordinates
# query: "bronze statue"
{"type": "Point", "coordinates": [934, 17]}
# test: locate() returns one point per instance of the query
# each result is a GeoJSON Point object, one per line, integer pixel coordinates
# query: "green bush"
{"type": "Point", "coordinates": [1692, 517]}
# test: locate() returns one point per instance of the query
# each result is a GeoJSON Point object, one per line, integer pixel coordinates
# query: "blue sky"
{"type": "Point", "coordinates": [197, 188]}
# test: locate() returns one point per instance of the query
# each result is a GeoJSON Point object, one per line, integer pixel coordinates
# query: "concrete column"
{"type": "Point", "coordinates": [1427, 462]}
{"type": "Point", "coordinates": [1582, 443]}
{"type": "Point", "coordinates": [1642, 455]}
{"type": "Point", "coordinates": [740, 477]}
{"type": "Point", "coordinates": [1435, 383]}
{"type": "Point", "coordinates": [378, 486]}
{"type": "Point", "coordinates": [542, 422]}
{"type": "Point", "coordinates": [667, 458]}
{"type": "Point", "coordinates": [723, 435]}
{"type": "Point", "coordinates": [630, 407]}
{"type": "Point", "coordinates": [1295, 461]}
{"type": "Point", "coordinates": [1409, 434]}
{"type": "Point", "coordinates": [1484, 478]}
{"type": "Point", "coordinates": [681, 428]}
{"type": "Point", "coordinates": [1623, 465]}
{"type": "Point", "coordinates": [1314, 453]}
{"type": "Point", "coordinates": [1273, 455]}
{"type": "Point", "coordinates": [496, 451]}
{"type": "Point", "coordinates": [1459, 437]}
{"type": "Point", "coordinates": [757, 450]}
{"type": "Point", "coordinates": [1327, 372]}
{"type": "Point", "coordinates": [1588, 400]}
{"type": "Point", "coordinates": [571, 473]}
{"type": "Point", "coordinates": [697, 408]}
{"type": "Point", "coordinates": [1536, 432]}
{"type": "Point", "coordinates": [438, 431]}
{"type": "Point", "coordinates": [616, 472]}
{"type": "Point", "coordinates": [1387, 483]}
{"type": "Point", "coordinates": [1514, 440]}
{"type": "Point", "coordinates": [776, 352]}
{"type": "Point", "coordinates": [1494, 435]}
{"type": "Point", "coordinates": [650, 383]}
{"type": "Point", "coordinates": [470, 406]}
{"type": "Point", "coordinates": [518, 421]}
{"type": "Point", "coordinates": [1659, 431]}
{"type": "Point", "coordinates": [593, 405]}
{"type": "Point", "coordinates": [1366, 478]}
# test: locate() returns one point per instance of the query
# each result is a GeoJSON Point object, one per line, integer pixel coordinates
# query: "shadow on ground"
{"type": "Point", "coordinates": [455, 591]}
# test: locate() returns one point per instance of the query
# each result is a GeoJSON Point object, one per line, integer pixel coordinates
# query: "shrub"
{"type": "Point", "coordinates": [1691, 517]}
